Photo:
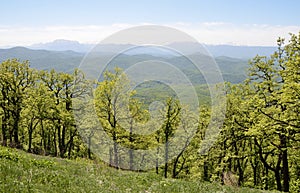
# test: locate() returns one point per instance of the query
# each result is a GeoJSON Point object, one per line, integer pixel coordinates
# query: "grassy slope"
{"type": "Point", "coordinates": [22, 172]}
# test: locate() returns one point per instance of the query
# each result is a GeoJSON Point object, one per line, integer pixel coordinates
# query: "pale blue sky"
{"type": "Point", "coordinates": [44, 16]}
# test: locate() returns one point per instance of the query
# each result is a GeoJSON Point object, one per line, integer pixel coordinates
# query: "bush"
{"type": "Point", "coordinates": [8, 154]}
{"type": "Point", "coordinates": [42, 163]}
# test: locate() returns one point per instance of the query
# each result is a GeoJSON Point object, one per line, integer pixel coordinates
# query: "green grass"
{"type": "Point", "coordinates": [23, 172]}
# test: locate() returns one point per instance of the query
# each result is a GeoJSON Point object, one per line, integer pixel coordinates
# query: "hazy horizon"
{"type": "Point", "coordinates": [69, 41]}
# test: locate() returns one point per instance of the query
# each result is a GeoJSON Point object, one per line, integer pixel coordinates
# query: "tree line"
{"type": "Point", "coordinates": [259, 142]}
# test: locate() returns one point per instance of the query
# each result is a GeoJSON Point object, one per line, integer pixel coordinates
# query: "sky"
{"type": "Point", "coordinates": [234, 22]}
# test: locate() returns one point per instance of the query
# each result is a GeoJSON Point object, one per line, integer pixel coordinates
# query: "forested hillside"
{"type": "Point", "coordinates": [258, 146]}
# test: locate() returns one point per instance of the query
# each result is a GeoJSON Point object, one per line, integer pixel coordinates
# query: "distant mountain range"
{"type": "Point", "coordinates": [64, 55]}
{"type": "Point", "coordinates": [242, 52]}
{"type": "Point", "coordinates": [233, 69]}
{"type": "Point", "coordinates": [62, 45]}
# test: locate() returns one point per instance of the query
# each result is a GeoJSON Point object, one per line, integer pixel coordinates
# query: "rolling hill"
{"type": "Point", "coordinates": [44, 59]}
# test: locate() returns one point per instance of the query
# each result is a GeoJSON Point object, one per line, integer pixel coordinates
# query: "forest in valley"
{"type": "Point", "coordinates": [258, 145]}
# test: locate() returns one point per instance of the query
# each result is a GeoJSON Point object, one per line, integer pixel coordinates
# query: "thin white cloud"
{"type": "Point", "coordinates": [208, 33]}
{"type": "Point", "coordinates": [215, 24]}
{"type": "Point", "coordinates": [248, 34]}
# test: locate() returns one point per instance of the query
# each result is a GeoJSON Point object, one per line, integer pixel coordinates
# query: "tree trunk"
{"type": "Point", "coordinates": [29, 140]}
{"type": "Point", "coordinates": [175, 171]}
{"type": "Point", "coordinates": [278, 180]}
{"type": "Point", "coordinates": [254, 168]}
{"type": "Point", "coordinates": [70, 145]}
{"type": "Point", "coordinates": [266, 179]}
{"type": "Point", "coordinates": [89, 148]}
{"type": "Point", "coordinates": [156, 163]}
{"type": "Point", "coordinates": [131, 146]}
{"type": "Point", "coordinates": [16, 130]}
{"type": "Point", "coordinates": [62, 146]}
{"type": "Point", "coordinates": [239, 166]}
{"type": "Point", "coordinates": [4, 128]}
{"type": "Point", "coordinates": [55, 143]}
{"type": "Point", "coordinates": [285, 171]}
{"type": "Point", "coordinates": [166, 158]}
{"type": "Point", "coordinates": [31, 128]}
{"type": "Point", "coordinates": [205, 171]}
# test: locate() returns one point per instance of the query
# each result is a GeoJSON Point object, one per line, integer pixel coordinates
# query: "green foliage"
{"type": "Point", "coordinates": [42, 163]}
{"type": "Point", "coordinates": [8, 154]}
{"type": "Point", "coordinates": [36, 108]}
